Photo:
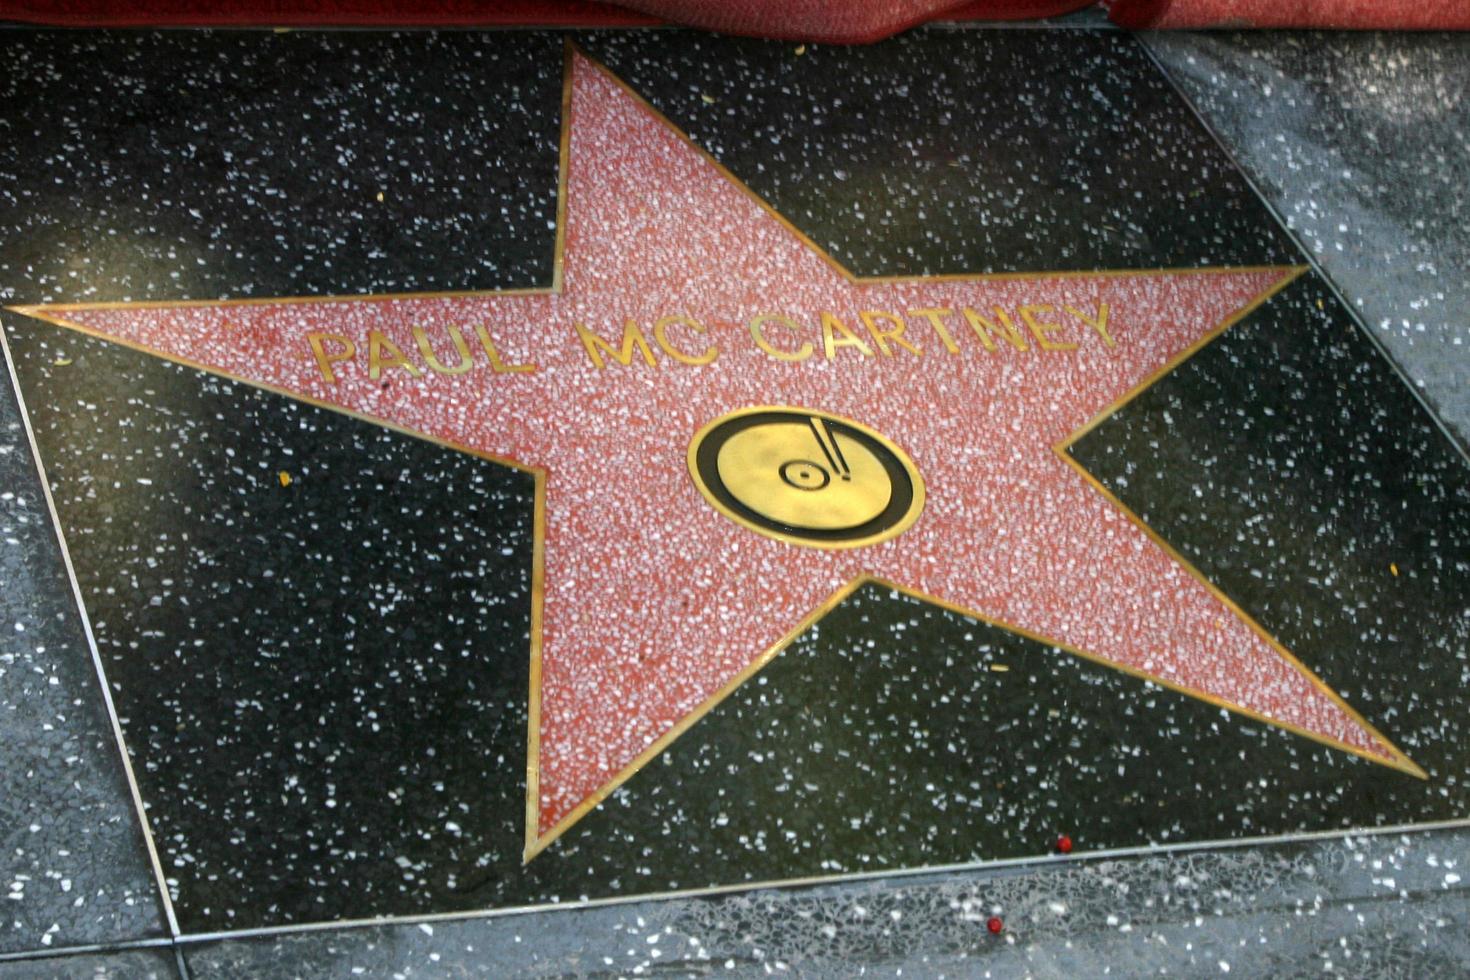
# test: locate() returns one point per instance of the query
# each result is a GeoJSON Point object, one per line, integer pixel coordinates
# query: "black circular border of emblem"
{"type": "Point", "coordinates": [706, 461]}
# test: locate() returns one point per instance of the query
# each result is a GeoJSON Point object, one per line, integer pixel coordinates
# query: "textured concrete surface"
{"type": "Point", "coordinates": [72, 859]}
{"type": "Point", "coordinates": [1361, 142]}
{"type": "Point", "coordinates": [1380, 906]}
{"type": "Point", "coordinates": [127, 964]}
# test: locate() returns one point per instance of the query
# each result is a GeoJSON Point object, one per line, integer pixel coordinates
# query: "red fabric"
{"type": "Point", "coordinates": [1402, 15]}
{"type": "Point", "coordinates": [831, 21]}
{"type": "Point", "coordinates": [320, 13]}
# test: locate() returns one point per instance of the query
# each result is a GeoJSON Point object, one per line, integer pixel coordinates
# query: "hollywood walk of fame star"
{"type": "Point", "coordinates": [681, 302]}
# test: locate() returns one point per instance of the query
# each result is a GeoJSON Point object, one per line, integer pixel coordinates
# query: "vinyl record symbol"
{"type": "Point", "coordinates": [806, 477]}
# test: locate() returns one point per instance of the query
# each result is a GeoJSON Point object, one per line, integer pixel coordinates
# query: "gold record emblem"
{"type": "Point", "coordinates": [807, 477]}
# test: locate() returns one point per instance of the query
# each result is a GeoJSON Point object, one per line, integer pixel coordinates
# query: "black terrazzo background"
{"type": "Point", "coordinates": [961, 151]}
{"type": "Point", "coordinates": [323, 684]}
{"type": "Point", "coordinates": [988, 773]}
{"type": "Point", "coordinates": [1294, 469]}
{"type": "Point", "coordinates": [138, 165]}
{"type": "Point", "coordinates": [207, 164]}
{"type": "Point", "coordinates": [142, 165]}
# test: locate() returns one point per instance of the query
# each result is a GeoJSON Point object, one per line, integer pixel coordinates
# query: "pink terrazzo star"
{"type": "Point", "coordinates": [653, 604]}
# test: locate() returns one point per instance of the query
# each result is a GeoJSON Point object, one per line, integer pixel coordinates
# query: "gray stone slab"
{"type": "Point", "coordinates": [1362, 143]}
{"type": "Point", "coordinates": [72, 861]}
{"type": "Point", "coordinates": [1381, 906]}
{"type": "Point", "coordinates": [133, 964]}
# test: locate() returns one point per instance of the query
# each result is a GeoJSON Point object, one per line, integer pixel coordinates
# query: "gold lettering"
{"type": "Point", "coordinates": [1100, 325]}
{"type": "Point", "coordinates": [422, 339]}
{"type": "Point", "coordinates": [632, 338]}
{"type": "Point", "coordinates": [324, 361]}
{"type": "Point", "coordinates": [660, 333]}
{"type": "Point", "coordinates": [831, 324]}
{"type": "Point", "coordinates": [800, 354]}
{"type": "Point", "coordinates": [933, 316]}
{"type": "Point", "coordinates": [882, 337]}
{"type": "Point", "coordinates": [986, 330]}
{"type": "Point", "coordinates": [377, 344]}
{"type": "Point", "coordinates": [1041, 330]}
{"type": "Point", "coordinates": [496, 364]}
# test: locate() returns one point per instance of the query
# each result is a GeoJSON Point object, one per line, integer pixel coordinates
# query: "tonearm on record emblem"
{"type": "Point", "coordinates": [807, 477]}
